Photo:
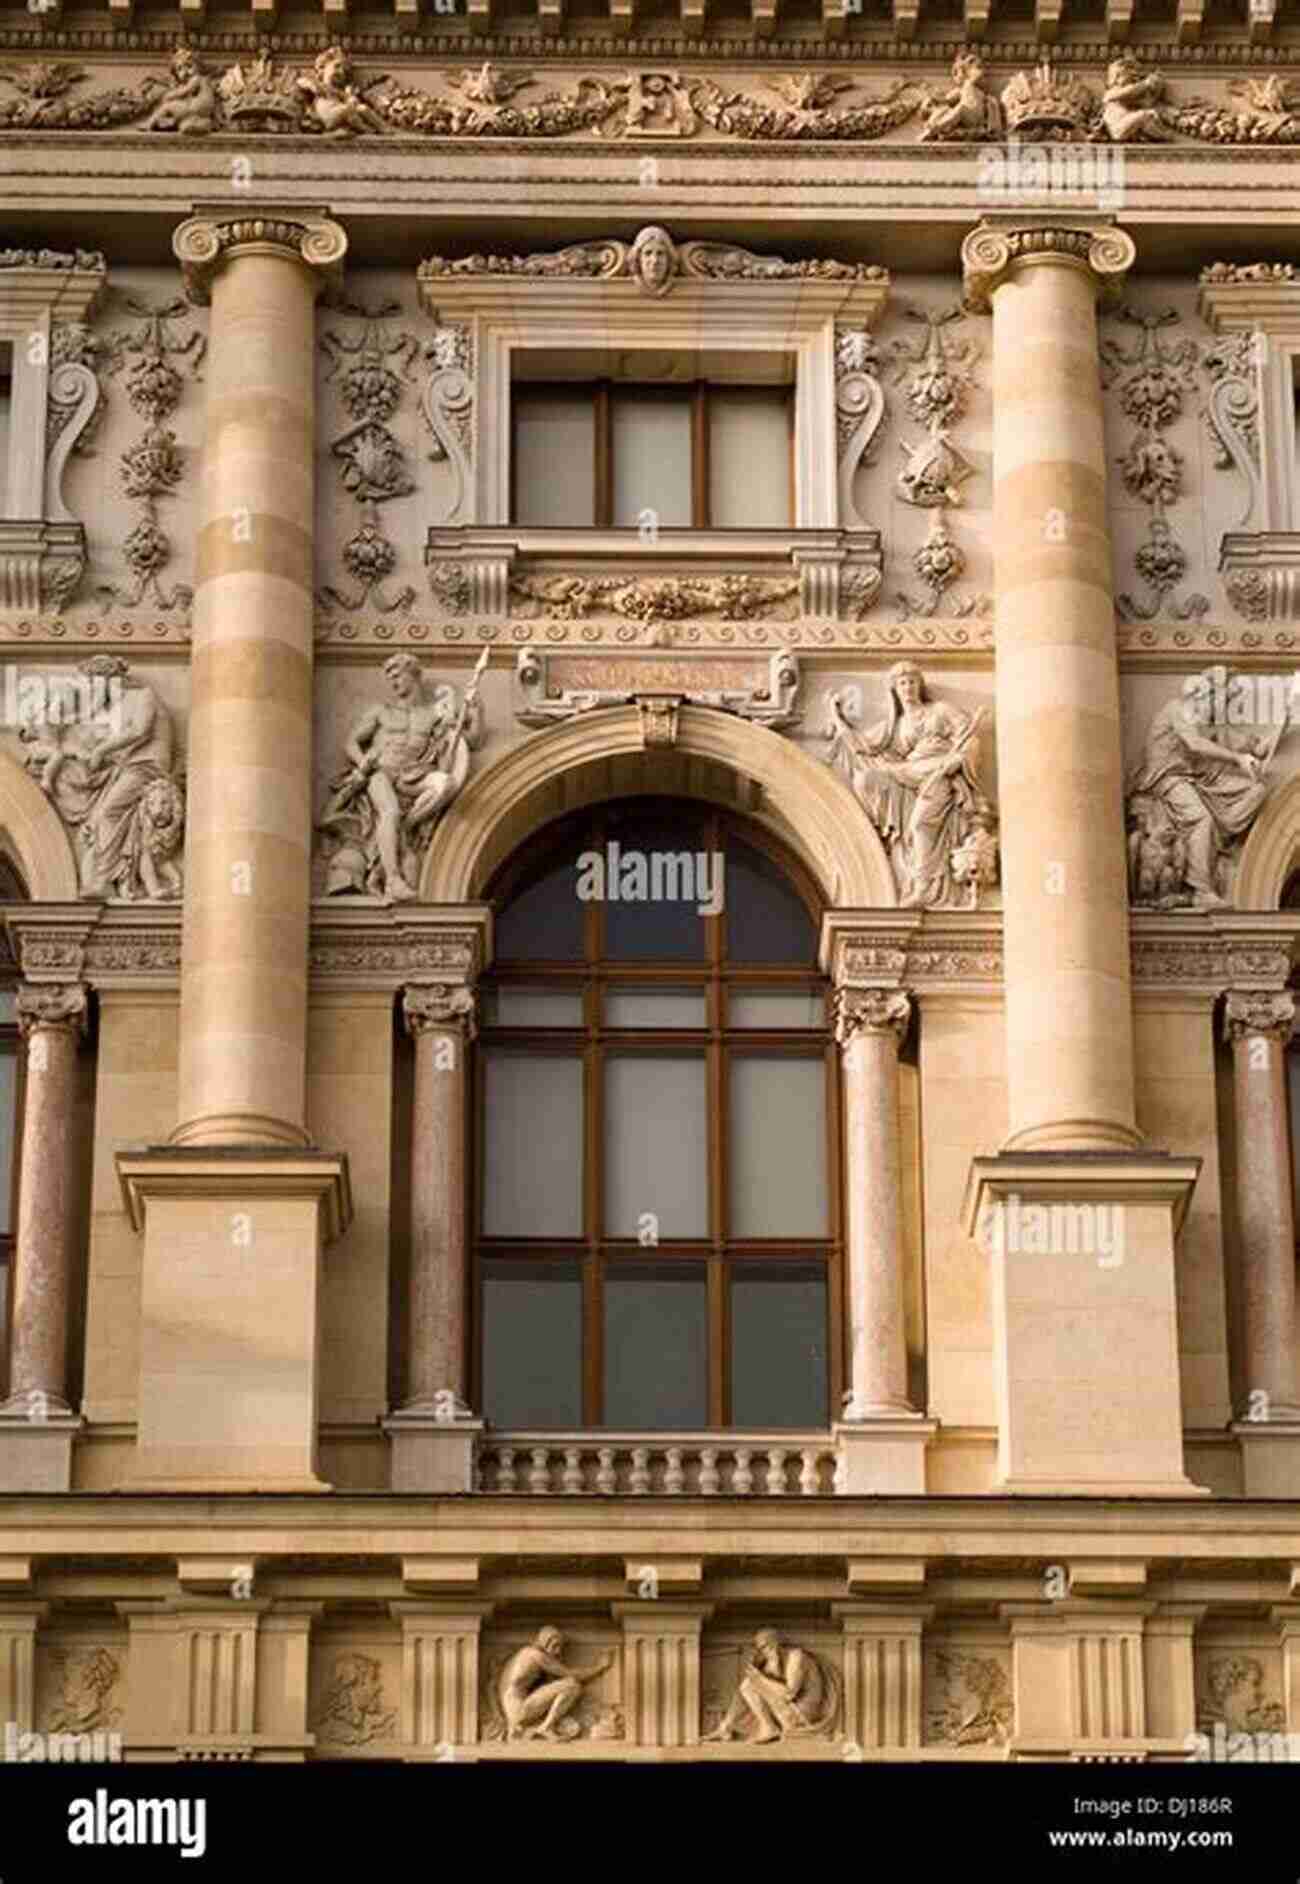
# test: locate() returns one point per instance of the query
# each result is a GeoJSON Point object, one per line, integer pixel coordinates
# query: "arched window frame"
{"type": "Point", "coordinates": [722, 1250]}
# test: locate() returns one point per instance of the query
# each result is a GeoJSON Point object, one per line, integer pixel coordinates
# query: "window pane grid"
{"type": "Point", "coordinates": [719, 1253]}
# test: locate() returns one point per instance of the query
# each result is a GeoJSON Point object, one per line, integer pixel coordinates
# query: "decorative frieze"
{"type": "Point", "coordinates": [333, 96]}
{"type": "Point", "coordinates": [654, 262]}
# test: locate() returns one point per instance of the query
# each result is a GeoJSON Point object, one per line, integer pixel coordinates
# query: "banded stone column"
{"type": "Point", "coordinates": [51, 1020]}
{"type": "Point", "coordinates": [1065, 893]}
{"type": "Point", "coordinates": [870, 1024]}
{"type": "Point", "coordinates": [1259, 1026]}
{"type": "Point", "coordinates": [441, 1020]}
{"type": "Point", "coordinates": [244, 960]}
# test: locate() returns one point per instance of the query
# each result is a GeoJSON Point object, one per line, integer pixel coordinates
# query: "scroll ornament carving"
{"type": "Point", "coordinates": [859, 412]}
{"type": "Point", "coordinates": [353, 1709]}
{"type": "Point", "coordinates": [972, 1706]}
{"type": "Point", "coordinates": [915, 774]}
{"type": "Point", "coordinates": [408, 757]}
{"type": "Point", "coordinates": [371, 459]}
{"type": "Point", "coordinates": [51, 1004]}
{"type": "Point", "coordinates": [1248, 1014]}
{"type": "Point", "coordinates": [775, 705]}
{"type": "Point", "coordinates": [1233, 411]}
{"type": "Point", "coordinates": [784, 1693]}
{"type": "Point", "coordinates": [1193, 797]}
{"type": "Point", "coordinates": [535, 1694]}
{"type": "Point", "coordinates": [115, 778]}
{"type": "Point", "coordinates": [447, 402]}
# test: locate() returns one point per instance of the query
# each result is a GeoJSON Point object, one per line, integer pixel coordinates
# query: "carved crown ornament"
{"type": "Point", "coordinates": [333, 94]}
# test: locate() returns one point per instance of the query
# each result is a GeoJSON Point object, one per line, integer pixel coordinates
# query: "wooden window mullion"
{"type": "Point", "coordinates": [603, 420]}
{"type": "Point", "coordinates": [700, 455]}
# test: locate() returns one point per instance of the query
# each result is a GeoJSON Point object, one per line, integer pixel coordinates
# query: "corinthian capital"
{"type": "Point", "coordinates": [51, 1004]}
{"type": "Point", "coordinates": [206, 242]}
{"type": "Point", "coordinates": [871, 1011]}
{"type": "Point", "coordinates": [992, 253]}
{"type": "Point", "coordinates": [440, 1008]}
{"type": "Point", "coordinates": [1246, 1015]}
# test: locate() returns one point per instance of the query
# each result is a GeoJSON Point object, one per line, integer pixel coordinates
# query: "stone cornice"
{"type": "Point", "coordinates": [368, 945]}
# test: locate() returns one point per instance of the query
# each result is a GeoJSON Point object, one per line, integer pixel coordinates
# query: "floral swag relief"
{"type": "Point", "coordinates": [119, 787]}
{"type": "Point", "coordinates": [408, 757]}
{"type": "Point", "coordinates": [915, 774]}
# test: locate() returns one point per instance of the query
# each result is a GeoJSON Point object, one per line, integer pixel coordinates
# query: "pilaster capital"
{"type": "Point", "coordinates": [871, 1011]}
{"type": "Point", "coordinates": [52, 1004]}
{"type": "Point", "coordinates": [211, 237]}
{"type": "Point", "coordinates": [440, 1007]}
{"type": "Point", "coordinates": [992, 253]}
{"type": "Point", "coordinates": [1258, 1011]}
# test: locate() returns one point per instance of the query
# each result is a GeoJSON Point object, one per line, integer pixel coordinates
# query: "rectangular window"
{"type": "Point", "coordinates": [609, 455]}
{"type": "Point", "coordinates": [532, 1343]}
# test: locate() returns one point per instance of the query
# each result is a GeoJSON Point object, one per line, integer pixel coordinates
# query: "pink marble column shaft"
{"type": "Point", "coordinates": [870, 1024]}
{"type": "Point", "coordinates": [441, 1020]}
{"type": "Point", "coordinates": [1259, 1026]}
{"type": "Point", "coordinates": [51, 1020]}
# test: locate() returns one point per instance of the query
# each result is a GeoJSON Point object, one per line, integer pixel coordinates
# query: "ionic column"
{"type": "Point", "coordinates": [1065, 895]}
{"type": "Point", "coordinates": [244, 959]}
{"type": "Point", "coordinates": [51, 1020]}
{"type": "Point", "coordinates": [1259, 1026]}
{"type": "Point", "coordinates": [441, 1021]}
{"type": "Point", "coordinates": [870, 1024]}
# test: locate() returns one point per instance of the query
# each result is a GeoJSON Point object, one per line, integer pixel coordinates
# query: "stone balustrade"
{"type": "Point", "coordinates": [701, 1465]}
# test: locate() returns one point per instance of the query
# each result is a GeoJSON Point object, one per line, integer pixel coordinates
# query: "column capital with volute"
{"type": "Point", "coordinates": [992, 253]}
{"type": "Point", "coordinates": [215, 234]}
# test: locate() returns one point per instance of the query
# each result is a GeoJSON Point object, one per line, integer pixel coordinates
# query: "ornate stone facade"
{"type": "Point", "coordinates": [290, 694]}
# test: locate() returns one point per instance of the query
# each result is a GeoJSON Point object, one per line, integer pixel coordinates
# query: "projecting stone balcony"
{"type": "Point", "coordinates": [652, 577]}
{"type": "Point", "coordinates": [699, 1465]}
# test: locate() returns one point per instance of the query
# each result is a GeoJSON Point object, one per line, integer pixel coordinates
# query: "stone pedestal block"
{"type": "Point", "coordinates": [229, 1313]}
{"type": "Point", "coordinates": [1085, 1318]}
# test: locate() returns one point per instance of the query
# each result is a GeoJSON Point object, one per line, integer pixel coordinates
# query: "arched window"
{"type": "Point", "coordinates": [12, 890]}
{"type": "Point", "coordinates": [656, 1180]}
